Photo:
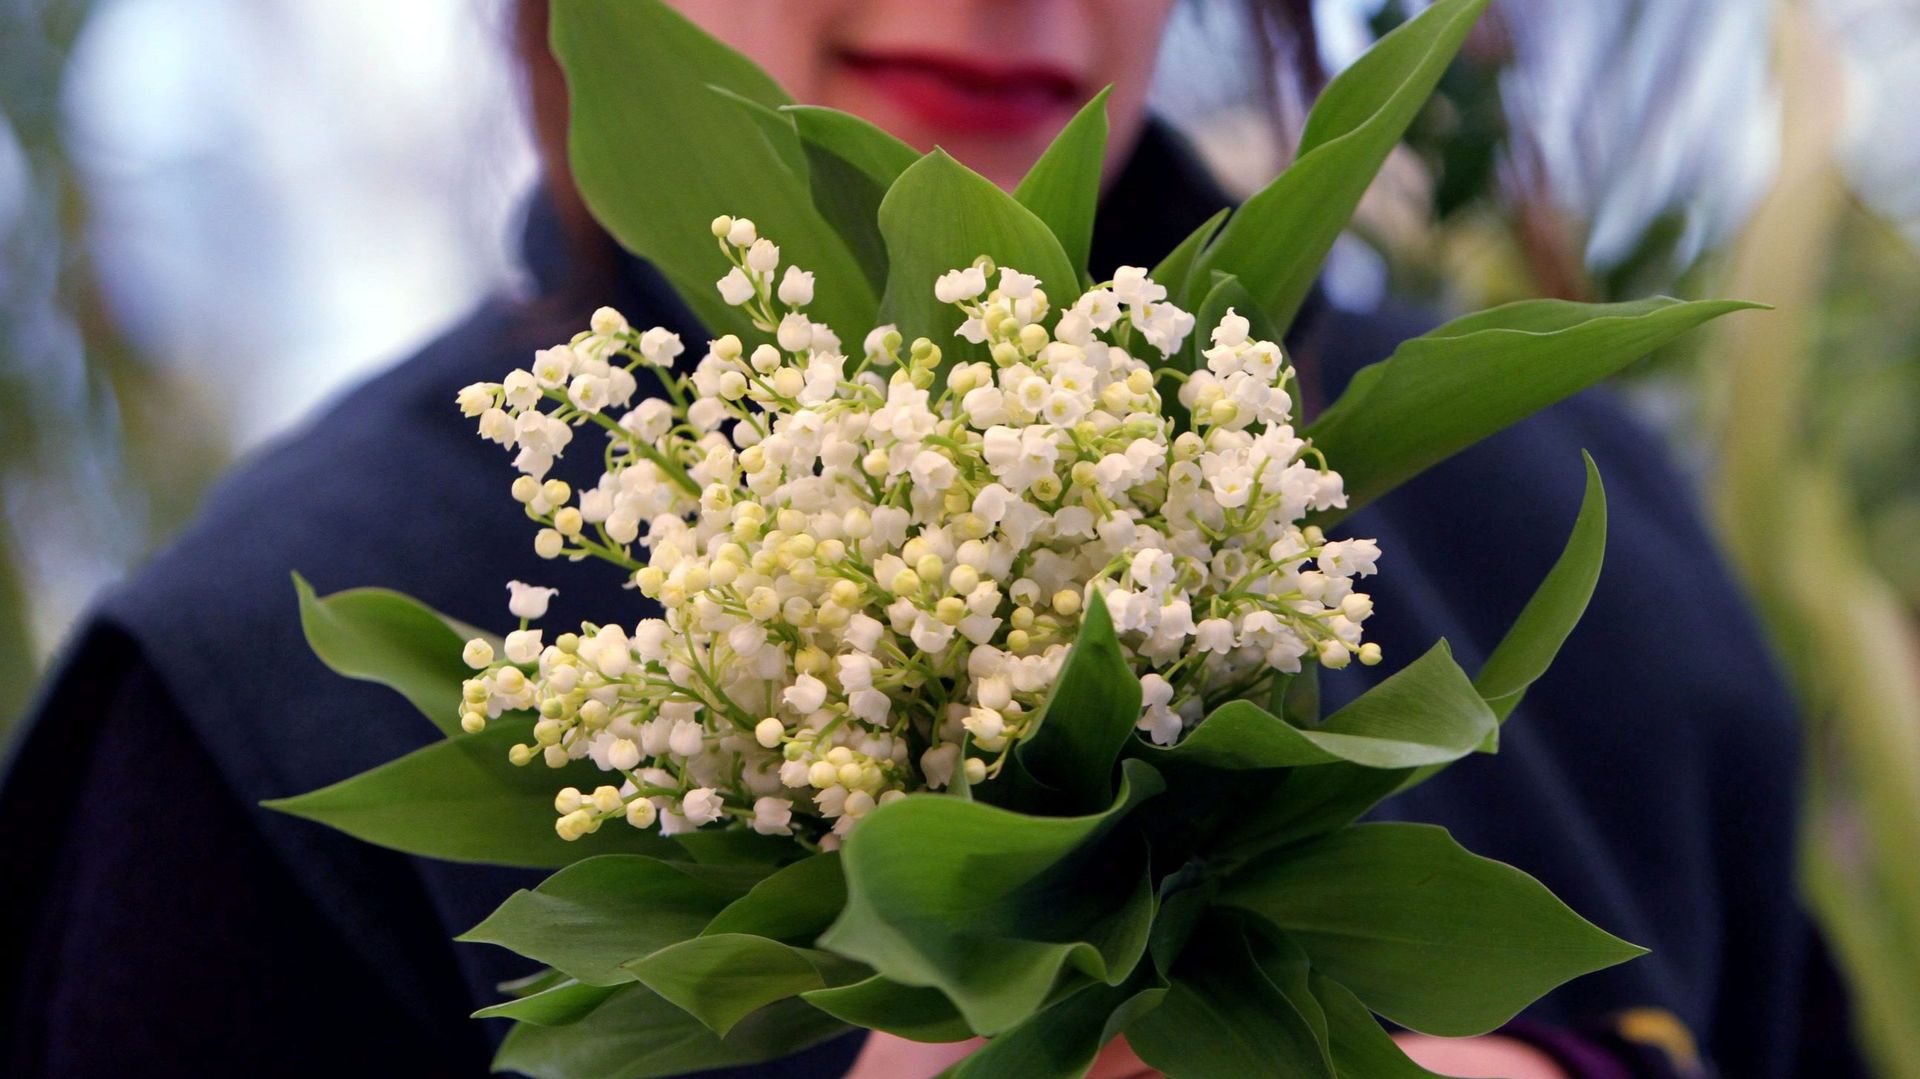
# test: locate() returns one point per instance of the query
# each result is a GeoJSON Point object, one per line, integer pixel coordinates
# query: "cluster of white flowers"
{"type": "Point", "coordinates": [870, 581]}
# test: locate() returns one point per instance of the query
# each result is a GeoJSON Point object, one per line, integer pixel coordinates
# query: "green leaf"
{"type": "Point", "coordinates": [1063, 187]}
{"type": "Point", "coordinates": [538, 982]}
{"type": "Point", "coordinates": [939, 216]}
{"type": "Point", "coordinates": [1426, 713]}
{"type": "Point", "coordinates": [774, 124]}
{"type": "Point", "coordinates": [637, 1035]}
{"type": "Point", "coordinates": [850, 165]}
{"type": "Point", "coordinates": [1173, 272]}
{"type": "Point", "coordinates": [1088, 717]}
{"type": "Point", "coordinates": [720, 979]}
{"type": "Point", "coordinates": [1062, 1040]}
{"type": "Point", "coordinates": [1360, 1047]}
{"type": "Point", "coordinates": [1276, 241]}
{"type": "Point", "coordinates": [380, 636]}
{"type": "Point", "coordinates": [991, 906]}
{"type": "Point", "coordinates": [1297, 698]}
{"type": "Point", "coordinates": [1308, 803]}
{"type": "Point", "coordinates": [737, 846]}
{"type": "Point", "coordinates": [1288, 970]}
{"type": "Point", "coordinates": [458, 799]}
{"type": "Point", "coordinates": [1432, 937]}
{"type": "Point", "coordinates": [1530, 644]}
{"type": "Point", "coordinates": [797, 902]}
{"type": "Point", "coordinates": [907, 1011]}
{"type": "Point", "coordinates": [652, 183]}
{"type": "Point", "coordinates": [1528, 648]}
{"type": "Point", "coordinates": [593, 916]}
{"type": "Point", "coordinates": [1442, 392]}
{"type": "Point", "coordinates": [1222, 1018]}
{"type": "Point", "coordinates": [567, 1002]}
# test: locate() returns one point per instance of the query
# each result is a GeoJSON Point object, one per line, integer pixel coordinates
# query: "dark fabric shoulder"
{"type": "Point", "coordinates": [152, 923]}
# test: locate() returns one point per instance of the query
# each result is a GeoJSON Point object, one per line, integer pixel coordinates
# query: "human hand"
{"type": "Point", "coordinates": [888, 1057]}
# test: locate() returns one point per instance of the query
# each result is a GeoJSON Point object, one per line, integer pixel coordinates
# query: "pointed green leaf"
{"type": "Point", "coordinates": [1062, 1039]}
{"type": "Point", "coordinates": [648, 137]}
{"type": "Point", "coordinates": [1277, 240]}
{"type": "Point", "coordinates": [1223, 1019]}
{"type": "Point", "coordinates": [722, 978]}
{"type": "Point", "coordinates": [939, 216]}
{"type": "Point", "coordinates": [1288, 970]}
{"type": "Point", "coordinates": [991, 906]}
{"type": "Point", "coordinates": [1175, 271]}
{"type": "Point", "coordinates": [1088, 717]}
{"type": "Point", "coordinates": [597, 914]}
{"type": "Point", "coordinates": [775, 125]}
{"type": "Point", "coordinates": [1442, 392]}
{"type": "Point", "coordinates": [557, 1005]}
{"type": "Point", "coordinates": [1432, 937]}
{"type": "Point", "coordinates": [1530, 644]}
{"type": "Point", "coordinates": [850, 165]}
{"type": "Point", "coordinates": [1063, 187]}
{"type": "Point", "coordinates": [1426, 713]}
{"type": "Point", "coordinates": [906, 1011]}
{"type": "Point", "coordinates": [1298, 698]}
{"type": "Point", "coordinates": [460, 800]}
{"type": "Point", "coordinates": [1360, 1046]}
{"type": "Point", "coordinates": [380, 636]}
{"type": "Point", "coordinates": [538, 982]}
{"type": "Point", "coordinates": [796, 903]}
{"type": "Point", "coordinates": [637, 1035]}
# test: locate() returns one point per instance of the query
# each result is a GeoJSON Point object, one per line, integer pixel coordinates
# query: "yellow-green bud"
{"type": "Point", "coordinates": [950, 610]}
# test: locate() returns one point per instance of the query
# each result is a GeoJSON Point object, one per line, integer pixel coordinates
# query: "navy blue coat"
{"type": "Point", "coordinates": [164, 923]}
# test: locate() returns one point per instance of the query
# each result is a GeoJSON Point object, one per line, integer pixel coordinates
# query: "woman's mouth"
{"type": "Point", "coordinates": [963, 94]}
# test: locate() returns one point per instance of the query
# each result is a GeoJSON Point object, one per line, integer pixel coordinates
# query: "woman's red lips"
{"type": "Point", "coordinates": [967, 94]}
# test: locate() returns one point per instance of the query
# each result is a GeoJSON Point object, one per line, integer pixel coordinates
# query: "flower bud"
{"type": "Point", "coordinates": [763, 256]}
{"type": "Point", "coordinates": [768, 732]}
{"type": "Point", "coordinates": [477, 654]}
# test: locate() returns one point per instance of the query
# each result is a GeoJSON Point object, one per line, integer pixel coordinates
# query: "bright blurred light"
{"type": "Point", "coordinates": [287, 194]}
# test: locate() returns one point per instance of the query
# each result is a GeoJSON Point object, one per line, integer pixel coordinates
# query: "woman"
{"type": "Point", "coordinates": [168, 925]}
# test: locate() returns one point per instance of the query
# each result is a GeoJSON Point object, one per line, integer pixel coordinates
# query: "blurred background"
{"type": "Point", "coordinates": [216, 213]}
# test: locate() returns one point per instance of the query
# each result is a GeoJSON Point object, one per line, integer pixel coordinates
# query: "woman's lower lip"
{"type": "Point", "coordinates": [944, 102]}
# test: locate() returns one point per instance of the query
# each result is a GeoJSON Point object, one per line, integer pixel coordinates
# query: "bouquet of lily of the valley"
{"type": "Point", "coordinates": [976, 694]}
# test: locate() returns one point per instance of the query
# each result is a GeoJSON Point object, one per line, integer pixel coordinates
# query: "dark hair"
{"type": "Point", "coordinates": [1286, 39]}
